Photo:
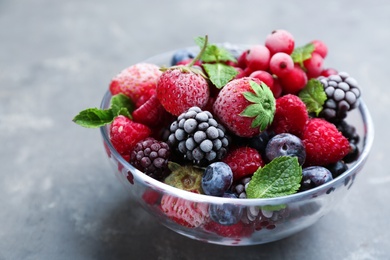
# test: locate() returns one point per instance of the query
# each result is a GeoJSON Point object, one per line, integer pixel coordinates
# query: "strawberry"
{"type": "Point", "coordinates": [186, 213]}
{"type": "Point", "coordinates": [180, 88]}
{"type": "Point", "coordinates": [290, 115]}
{"type": "Point", "coordinates": [151, 113]}
{"type": "Point", "coordinates": [245, 106]}
{"type": "Point", "coordinates": [243, 161]}
{"type": "Point", "coordinates": [238, 230]}
{"type": "Point", "coordinates": [125, 133]}
{"type": "Point", "coordinates": [324, 143]}
{"type": "Point", "coordinates": [138, 82]}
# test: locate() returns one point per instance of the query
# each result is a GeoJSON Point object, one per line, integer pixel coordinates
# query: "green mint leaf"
{"type": "Point", "coordinates": [313, 95]}
{"type": "Point", "coordinates": [303, 53]}
{"type": "Point", "coordinates": [263, 107]}
{"type": "Point", "coordinates": [94, 117]}
{"type": "Point", "coordinates": [281, 177]}
{"type": "Point", "coordinates": [122, 105]}
{"type": "Point", "coordinates": [219, 74]}
{"type": "Point", "coordinates": [214, 53]}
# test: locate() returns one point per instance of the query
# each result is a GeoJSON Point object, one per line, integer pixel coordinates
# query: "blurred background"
{"type": "Point", "coordinates": [58, 196]}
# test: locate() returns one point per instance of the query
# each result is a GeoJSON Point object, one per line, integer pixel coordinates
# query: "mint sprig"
{"type": "Point", "coordinates": [214, 60]}
{"type": "Point", "coordinates": [263, 107]}
{"type": "Point", "coordinates": [95, 117]}
{"type": "Point", "coordinates": [303, 53]}
{"type": "Point", "coordinates": [314, 96]}
{"type": "Point", "coordinates": [281, 177]}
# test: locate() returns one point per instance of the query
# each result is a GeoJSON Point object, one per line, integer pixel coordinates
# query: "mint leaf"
{"type": "Point", "coordinates": [263, 107]}
{"type": "Point", "coordinates": [219, 74]}
{"type": "Point", "coordinates": [313, 95]}
{"type": "Point", "coordinates": [94, 117]}
{"type": "Point", "coordinates": [303, 53]}
{"type": "Point", "coordinates": [122, 105]}
{"type": "Point", "coordinates": [214, 53]}
{"type": "Point", "coordinates": [281, 177]}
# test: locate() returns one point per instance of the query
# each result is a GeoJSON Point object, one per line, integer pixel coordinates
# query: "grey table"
{"type": "Point", "coordinates": [58, 196]}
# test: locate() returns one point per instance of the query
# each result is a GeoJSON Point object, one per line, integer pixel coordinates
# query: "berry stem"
{"type": "Point", "coordinates": [200, 53]}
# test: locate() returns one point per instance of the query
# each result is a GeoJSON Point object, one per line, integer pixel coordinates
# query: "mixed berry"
{"type": "Point", "coordinates": [233, 123]}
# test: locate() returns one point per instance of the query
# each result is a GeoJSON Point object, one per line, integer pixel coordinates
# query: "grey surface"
{"type": "Point", "coordinates": [58, 196]}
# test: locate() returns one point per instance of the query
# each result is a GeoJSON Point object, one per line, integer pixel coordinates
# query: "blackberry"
{"type": "Point", "coordinates": [239, 188]}
{"type": "Point", "coordinates": [337, 168]}
{"type": "Point", "coordinates": [343, 95]}
{"type": "Point", "coordinates": [348, 131]}
{"type": "Point", "coordinates": [198, 137]}
{"type": "Point", "coordinates": [264, 219]}
{"type": "Point", "coordinates": [151, 157]}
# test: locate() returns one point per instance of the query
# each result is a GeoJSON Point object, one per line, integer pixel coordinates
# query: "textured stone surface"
{"type": "Point", "coordinates": [58, 196]}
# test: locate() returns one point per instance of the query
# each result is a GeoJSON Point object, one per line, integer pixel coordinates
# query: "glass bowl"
{"type": "Point", "coordinates": [276, 218]}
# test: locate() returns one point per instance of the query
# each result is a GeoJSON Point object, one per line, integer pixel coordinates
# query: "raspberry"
{"type": "Point", "coordinates": [151, 157]}
{"type": "Point", "coordinates": [343, 95]}
{"type": "Point", "coordinates": [125, 134]}
{"type": "Point", "coordinates": [290, 115]}
{"type": "Point", "coordinates": [324, 143]}
{"type": "Point", "coordinates": [151, 113]}
{"type": "Point", "coordinates": [243, 161]}
{"type": "Point", "coordinates": [238, 230]}
{"type": "Point", "coordinates": [198, 136]}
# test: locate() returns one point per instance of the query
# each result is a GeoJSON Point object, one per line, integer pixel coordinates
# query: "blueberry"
{"type": "Point", "coordinates": [226, 214]}
{"type": "Point", "coordinates": [181, 55]}
{"type": "Point", "coordinates": [260, 141]}
{"type": "Point", "coordinates": [217, 178]}
{"type": "Point", "coordinates": [314, 176]}
{"type": "Point", "coordinates": [285, 144]}
{"type": "Point", "coordinates": [337, 168]}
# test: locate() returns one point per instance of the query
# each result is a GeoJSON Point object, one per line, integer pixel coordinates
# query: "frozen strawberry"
{"type": "Point", "coordinates": [290, 115]}
{"type": "Point", "coordinates": [243, 161]}
{"type": "Point", "coordinates": [138, 82]}
{"type": "Point", "coordinates": [324, 143]}
{"type": "Point", "coordinates": [125, 133]}
{"type": "Point", "coordinates": [151, 113]}
{"type": "Point", "coordinates": [245, 106]}
{"type": "Point", "coordinates": [186, 213]}
{"type": "Point", "coordinates": [180, 88]}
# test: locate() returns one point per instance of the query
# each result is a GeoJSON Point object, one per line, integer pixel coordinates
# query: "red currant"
{"type": "Point", "coordinates": [320, 48]}
{"type": "Point", "coordinates": [314, 65]}
{"type": "Point", "coordinates": [295, 80]}
{"type": "Point", "coordinates": [280, 41]}
{"type": "Point", "coordinates": [258, 57]}
{"type": "Point", "coordinates": [264, 76]}
{"type": "Point", "coordinates": [281, 63]}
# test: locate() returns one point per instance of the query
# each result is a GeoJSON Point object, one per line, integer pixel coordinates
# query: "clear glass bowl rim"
{"type": "Point", "coordinates": [299, 196]}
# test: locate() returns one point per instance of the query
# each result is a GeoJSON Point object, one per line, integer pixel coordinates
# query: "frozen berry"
{"type": "Point", "coordinates": [227, 213]}
{"type": "Point", "coordinates": [281, 63]}
{"type": "Point", "coordinates": [151, 156]}
{"type": "Point", "coordinates": [285, 144]}
{"type": "Point", "coordinates": [280, 41]}
{"type": "Point", "coordinates": [314, 176]}
{"type": "Point", "coordinates": [217, 179]}
{"type": "Point", "coordinates": [293, 81]}
{"type": "Point", "coordinates": [258, 57]}
{"type": "Point", "coordinates": [243, 161]}
{"type": "Point", "coordinates": [320, 48]}
{"type": "Point", "coordinates": [182, 55]}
